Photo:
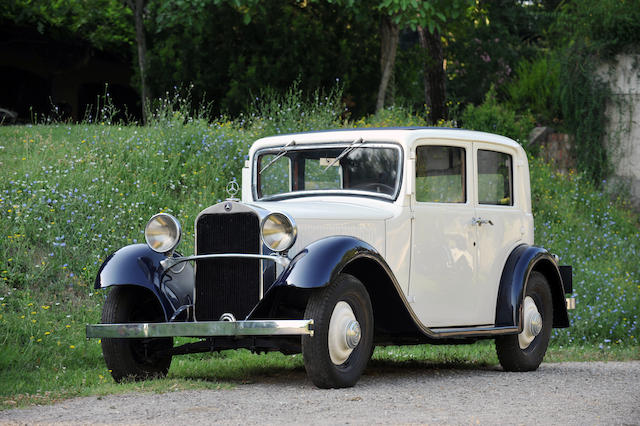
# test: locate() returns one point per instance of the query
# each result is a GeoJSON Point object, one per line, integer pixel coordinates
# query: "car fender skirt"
{"type": "Point", "coordinates": [138, 265]}
{"type": "Point", "coordinates": [521, 262]}
{"type": "Point", "coordinates": [320, 262]}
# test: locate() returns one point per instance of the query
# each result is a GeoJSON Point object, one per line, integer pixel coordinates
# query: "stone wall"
{"type": "Point", "coordinates": [555, 148]}
{"type": "Point", "coordinates": [623, 129]}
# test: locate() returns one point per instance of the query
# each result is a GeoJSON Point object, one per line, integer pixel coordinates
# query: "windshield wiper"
{"type": "Point", "coordinates": [354, 145]}
{"type": "Point", "coordinates": [281, 152]}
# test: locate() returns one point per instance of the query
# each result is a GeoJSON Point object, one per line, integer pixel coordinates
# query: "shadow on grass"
{"type": "Point", "coordinates": [277, 368]}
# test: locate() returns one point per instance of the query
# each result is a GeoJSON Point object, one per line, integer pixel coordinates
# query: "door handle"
{"type": "Point", "coordinates": [480, 221]}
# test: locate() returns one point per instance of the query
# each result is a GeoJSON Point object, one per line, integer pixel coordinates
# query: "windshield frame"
{"type": "Point", "coordinates": [328, 192]}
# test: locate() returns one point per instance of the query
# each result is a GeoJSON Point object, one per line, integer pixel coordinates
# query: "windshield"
{"type": "Point", "coordinates": [348, 168]}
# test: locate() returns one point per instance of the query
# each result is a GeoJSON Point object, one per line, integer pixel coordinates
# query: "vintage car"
{"type": "Point", "coordinates": [345, 240]}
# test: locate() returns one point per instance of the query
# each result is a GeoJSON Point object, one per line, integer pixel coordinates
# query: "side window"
{"type": "Point", "coordinates": [495, 178]}
{"type": "Point", "coordinates": [440, 174]}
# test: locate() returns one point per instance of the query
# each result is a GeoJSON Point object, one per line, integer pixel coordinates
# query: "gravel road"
{"type": "Point", "coordinates": [565, 393]}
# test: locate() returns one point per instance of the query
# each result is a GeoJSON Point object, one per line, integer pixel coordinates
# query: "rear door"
{"type": "Point", "coordinates": [500, 221]}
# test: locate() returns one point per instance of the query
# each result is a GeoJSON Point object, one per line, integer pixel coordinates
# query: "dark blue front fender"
{"type": "Point", "coordinates": [138, 265]}
{"type": "Point", "coordinates": [321, 261]}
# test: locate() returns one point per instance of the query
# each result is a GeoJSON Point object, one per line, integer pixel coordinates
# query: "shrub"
{"type": "Point", "coordinates": [494, 117]}
{"type": "Point", "coordinates": [536, 89]}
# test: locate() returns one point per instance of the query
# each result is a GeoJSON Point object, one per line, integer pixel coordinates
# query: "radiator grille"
{"type": "Point", "coordinates": [227, 285]}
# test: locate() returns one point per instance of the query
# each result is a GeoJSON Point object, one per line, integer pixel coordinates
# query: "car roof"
{"type": "Point", "coordinates": [403, 135]}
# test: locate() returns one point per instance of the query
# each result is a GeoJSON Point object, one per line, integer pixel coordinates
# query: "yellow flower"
{"type": "Point", "coordinates": [72, 347]}
{"type": "Point", "coordinates": [46, 333]}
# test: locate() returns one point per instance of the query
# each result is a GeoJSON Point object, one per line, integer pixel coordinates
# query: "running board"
{"type": "Point", "coordinates": [473, 331]}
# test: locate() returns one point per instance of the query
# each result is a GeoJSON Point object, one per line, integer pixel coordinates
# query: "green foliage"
{"type": "Point", "coordinates": [601, 240]}
{"type": "Point", "coordinates": [483, 49]}
{"type": "Point", "coordinates": [606, 27]}
{"type": "Point", "coordinates": [494, 117]}
{"type": "Point", "coordinates": [428, 14]}
{"type": "Point", "coordinates": [103, 23]}
{"type": "Point", "coordinates": [536, 88]}
{"type": "Point", "coordinates": [583, 98]}
{"type": "Point", "coordinates": [230, 62]}
{"type": "Point", "coordinates": [293, 111]}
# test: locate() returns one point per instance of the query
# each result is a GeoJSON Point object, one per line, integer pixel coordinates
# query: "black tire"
{"type": "Point", "coordinates": [511, 356]}
{"type": "Point", "coordinates": [322, 371]}
{"type": "Point", "coordinates": [134, 359]}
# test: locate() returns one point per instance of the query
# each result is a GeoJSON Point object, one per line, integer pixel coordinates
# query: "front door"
{"type": "Point", "coordinates": [442, 288]}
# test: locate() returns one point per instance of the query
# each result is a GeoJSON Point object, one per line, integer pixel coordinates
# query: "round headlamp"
{"type": "Point", "coordinates": [162, 233]}
{"type": "Point", "coordinates": [279, 232]}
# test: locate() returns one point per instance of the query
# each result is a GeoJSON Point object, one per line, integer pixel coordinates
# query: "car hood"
{"type": "Point", "coordinates": [317, 219]}
{"type": "Point", "coordinates": [305, 208]}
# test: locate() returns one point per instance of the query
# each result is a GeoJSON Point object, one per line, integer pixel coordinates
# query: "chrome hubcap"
{"type": "Point", "coordinates": [532, 323]}
{"type": "Point", "coordinates": [344, 333]}
{"type": "Point", "coordinates": [353, 334]}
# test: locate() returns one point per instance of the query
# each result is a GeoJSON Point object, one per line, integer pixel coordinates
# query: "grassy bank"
{"type": "Point", "coordinates": [72, 194]}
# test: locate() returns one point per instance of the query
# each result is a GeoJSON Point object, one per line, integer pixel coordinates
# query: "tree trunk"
{"type": "Point", "coordinates": [434, 76]}
{"type": "Point", "coordinates": [389, 35]}
{"type": "Point", "coordinates": [137, 7]}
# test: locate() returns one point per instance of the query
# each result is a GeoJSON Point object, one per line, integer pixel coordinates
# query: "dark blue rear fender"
{"type": "Point", "coordinates": [138, 265]}
{"type": "Point", "coordinates": [513, 285]}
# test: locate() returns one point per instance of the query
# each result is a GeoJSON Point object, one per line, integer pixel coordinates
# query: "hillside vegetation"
{"type": "Point", "coordinates": [72, 194]}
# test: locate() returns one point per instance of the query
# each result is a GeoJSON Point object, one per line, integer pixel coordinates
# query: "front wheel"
{"type": "Point", "coordinates": [525, 351]}
{"type": "Point", "coordinates": [340, 348]}
{"type": "Point", "coordinates": [137, 359]}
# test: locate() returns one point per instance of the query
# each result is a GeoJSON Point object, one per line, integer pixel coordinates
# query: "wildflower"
{"type": "Point", "coordinates": [72, 347]}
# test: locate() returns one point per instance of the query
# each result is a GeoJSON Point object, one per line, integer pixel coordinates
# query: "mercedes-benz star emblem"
{"type": "Point", "coordinates": [232, 188]}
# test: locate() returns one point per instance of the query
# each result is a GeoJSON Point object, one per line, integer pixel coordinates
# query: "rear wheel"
{"type": "Point", "coordinates": [340, 348]}
{"type": "Point", "coordinates": [525, 351]}
{"type": "Point", "coordinates": [137, 359]}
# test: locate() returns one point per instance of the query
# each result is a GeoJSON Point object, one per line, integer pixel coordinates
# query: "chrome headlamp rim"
{"type": "Point", "coordinates": [292, 236]}
{"type": "Point", "coordinates": [175, 239]}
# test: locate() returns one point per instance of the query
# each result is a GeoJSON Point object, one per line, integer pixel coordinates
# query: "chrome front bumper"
{"type": "Point", "coordinates": [202, 329]}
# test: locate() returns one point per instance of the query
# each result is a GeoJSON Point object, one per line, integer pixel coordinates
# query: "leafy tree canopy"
{"type": "Point", "coordinates": [103, 23]}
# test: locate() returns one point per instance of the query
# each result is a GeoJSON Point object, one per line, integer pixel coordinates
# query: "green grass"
{"type": "Point", "coordinates": [72, 194]}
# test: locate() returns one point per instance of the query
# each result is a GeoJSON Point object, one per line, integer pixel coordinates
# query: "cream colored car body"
{"type": "Point", "coordinates": [446, 257]}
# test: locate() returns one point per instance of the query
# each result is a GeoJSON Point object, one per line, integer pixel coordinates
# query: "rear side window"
{"type": "Point", "coordinates": [440, 174]}
{"type": "Point", "coordinates": [495, 178]}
